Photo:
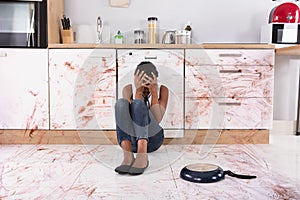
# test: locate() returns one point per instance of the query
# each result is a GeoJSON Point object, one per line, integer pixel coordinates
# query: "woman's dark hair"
{"type": "Point", "coordinates": [147, 67]}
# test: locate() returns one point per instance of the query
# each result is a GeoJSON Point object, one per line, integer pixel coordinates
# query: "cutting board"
{"type": "Point", "coordinates": [119, 3]}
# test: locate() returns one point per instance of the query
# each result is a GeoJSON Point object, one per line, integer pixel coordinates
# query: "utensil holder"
{"type": "Point", "coordinates": [67, 36]}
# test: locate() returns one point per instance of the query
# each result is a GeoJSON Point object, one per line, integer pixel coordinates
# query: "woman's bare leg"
{"type": "Point", "coordinates": [141, 156]}
{"type": "Point", "coordinates": [127, 152]}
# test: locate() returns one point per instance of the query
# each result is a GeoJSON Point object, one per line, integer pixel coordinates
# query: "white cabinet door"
{"type": "Point", "coordinates": [24, 89]}
{"type": "Point", "coordinates": [170, 66]}
{"type": "Point", "coordinates": [82, 88]}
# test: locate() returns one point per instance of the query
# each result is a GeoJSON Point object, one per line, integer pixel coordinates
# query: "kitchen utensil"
{"type": "Point", "coordinates": [66, 24]}
{"type": "Point", "coordinates": [207, 173]}
{"type": "Point", "coordinates": [169, 37]}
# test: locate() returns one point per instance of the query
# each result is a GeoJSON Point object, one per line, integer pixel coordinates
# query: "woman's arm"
{"type": "Point", "coordinates": [159, 104]}
{"type": "Point", "coordinates": [127, 92]}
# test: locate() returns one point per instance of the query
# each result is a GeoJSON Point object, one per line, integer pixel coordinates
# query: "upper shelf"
{"type": "Point", "coordinates": [163, 46]}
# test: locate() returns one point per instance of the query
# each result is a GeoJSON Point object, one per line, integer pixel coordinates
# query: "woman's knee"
{"type": "Point", "coordinates": [139, 106]}
{"type": "Point", "coordinates": [121, 105]}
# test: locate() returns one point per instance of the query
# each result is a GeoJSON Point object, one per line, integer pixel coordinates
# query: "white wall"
{"type": "Point", "coordinates": [212, 21]}
{"type": "Point", "coordinates": [216, 21]}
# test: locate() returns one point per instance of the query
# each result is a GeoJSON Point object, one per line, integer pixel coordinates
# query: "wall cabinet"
{"type": "Point", "coordinates": [229, 88]}
{"type": "Point", "coordinates": [24, 89]}
{"type": "Point", "coordinates": [170, 66]}
{"type": "Point", "coordinates": [82, 88]}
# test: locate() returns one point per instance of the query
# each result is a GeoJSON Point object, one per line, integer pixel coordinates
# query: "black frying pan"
{"type": "Point", "coordinates": [207, 173]}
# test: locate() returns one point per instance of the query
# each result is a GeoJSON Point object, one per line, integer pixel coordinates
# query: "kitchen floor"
{"type": "Point", "coordinates": [87, 172]}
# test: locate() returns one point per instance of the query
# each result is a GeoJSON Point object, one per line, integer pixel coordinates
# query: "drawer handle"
{"type": "Point", "coordinates": [230, 104]}
{"type": "Point", "coordinates": [230, 55]}
{"type": "Point", "coordinates": [230, 71]}
{"type": "Point", "coordinates": [151, 57]}
{"type": "Point", "coordinates": [3, 54]}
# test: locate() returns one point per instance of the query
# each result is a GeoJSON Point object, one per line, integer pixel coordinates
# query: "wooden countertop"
{"type": "Point", "coordinates": [292, 50]}
{"type": "Point", "coordinates": [289, 50]}
{"type": "Point", "coordinates": [163, 46]}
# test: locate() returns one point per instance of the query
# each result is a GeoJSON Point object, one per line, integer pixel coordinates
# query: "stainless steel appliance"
{"type": "Point", "coordinates": [169, 37]}
{"type": "Point", "coordinates": [23, 23]}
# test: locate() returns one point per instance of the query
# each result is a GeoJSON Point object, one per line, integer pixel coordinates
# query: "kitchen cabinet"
{"type": "Point", "coordinates": [229, 88]}
{"type": "Point", "coordinates": [82, 88]}
{"type": "Point", "coordinates": [170, 66]}
{"type": "Point", "coordinates": [24, 89]}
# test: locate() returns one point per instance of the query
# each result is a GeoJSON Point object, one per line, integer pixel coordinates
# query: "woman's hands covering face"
{"type": "Point", "coordinates": [151, 83]}
{"type": "Point", "coordinates": [141, 80]}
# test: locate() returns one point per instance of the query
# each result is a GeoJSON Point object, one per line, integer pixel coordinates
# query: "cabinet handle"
{"type": "Point", "coordinates": [230, 55]}
{"type": "Point", "coordinates": [151, 57]}
{"type": "Point", "coordinates": [230, 104]}
{"type": "Point", "coordinates": [3, 54]}
{"type": "Point", "coordinates": [230, 71]}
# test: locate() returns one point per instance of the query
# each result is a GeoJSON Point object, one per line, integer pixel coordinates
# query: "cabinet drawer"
{"type": "Point", "coordinates": [229, 57]}
{"type": "Point", "coordinates": [229, 81]}
{"type": "Point", "coordinates": [228, 113]}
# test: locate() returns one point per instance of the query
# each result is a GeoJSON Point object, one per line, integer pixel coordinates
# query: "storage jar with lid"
{"type": "Point", "coordinates": [139, 37]}
{"type": "Point", "coordinates": [152, 30]}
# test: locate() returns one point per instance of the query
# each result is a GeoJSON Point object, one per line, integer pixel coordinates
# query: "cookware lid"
{"type": "Point", "coordinates": [152, 19]}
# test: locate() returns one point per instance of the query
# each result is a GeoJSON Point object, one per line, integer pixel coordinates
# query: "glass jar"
{"type": "Point", "coordinates": [139, 37]}
{"type": "Point", "coordinates": [180, 37]}
{"type": "Point", "coordinates": [152, 30]}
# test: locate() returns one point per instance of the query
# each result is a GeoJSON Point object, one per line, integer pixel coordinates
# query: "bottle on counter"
{"type": "Point", "coordinates": [188, 30]}
{"type": "Point", "coordinates": [99, 30]}
{"type": "Point", "coordinates": [152, 30]}
{"type": "Point", "coordinates": [119, 38]}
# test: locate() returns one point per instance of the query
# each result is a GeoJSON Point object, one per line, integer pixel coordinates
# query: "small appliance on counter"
{"type": "Point", "coordinates": [169, 37]}
{"type": "Point", "coordinates": [283, 27]}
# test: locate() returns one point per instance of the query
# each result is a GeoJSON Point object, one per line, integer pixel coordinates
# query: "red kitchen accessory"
{"type": "Point", "coordinates": [285, 13]}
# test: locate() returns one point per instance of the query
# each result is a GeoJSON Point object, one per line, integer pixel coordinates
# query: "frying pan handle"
{"type": "Point", "coordinates": [230, 173]}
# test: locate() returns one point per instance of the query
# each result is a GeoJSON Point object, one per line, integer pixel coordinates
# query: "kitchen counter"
{"type": "Point", "coordinates": [289, 50]}
{"type": "Point", "coordinates": [164, 46]}
{"type": "Point", "coordinates": [67, 61]}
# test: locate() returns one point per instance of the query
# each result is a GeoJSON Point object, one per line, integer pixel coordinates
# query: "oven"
{"type": "Point", "coordinates": [23, 23]}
